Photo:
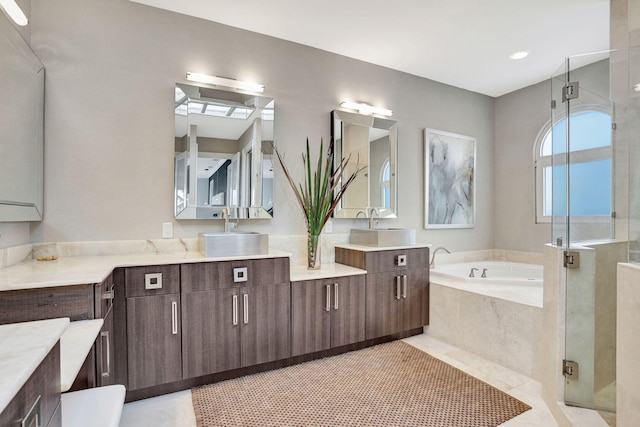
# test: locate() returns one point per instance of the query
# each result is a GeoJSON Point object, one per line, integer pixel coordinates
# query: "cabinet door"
{"type": "Point", "coordinates": [104, 359]}
{"type": "Point", "coordinates": [347, 310]}
{"type": "Point", "coordinates": [311, 314]}
{"type": "Point", "coordinates": [104, 353]}
{"type": "Point", "coordinates": [383, 305]}
{"type": "Point", "coordinates": [415, 300]}
{"type": "Point", "coordinates": [153, 340]}
{"type": "Point", "coordinates": [211, 332]}
{"type": "Point", "coordinates": [266, 323]}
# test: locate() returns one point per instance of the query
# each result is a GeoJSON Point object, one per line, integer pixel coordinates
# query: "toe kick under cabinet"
{"type": "Point", "coordinates": [397, 290]}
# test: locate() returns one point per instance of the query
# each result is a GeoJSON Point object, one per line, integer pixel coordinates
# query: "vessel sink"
{"type": "Point", "coordinates": [383, 237]}
{"type": "Point", "coordinates": [234, 244]}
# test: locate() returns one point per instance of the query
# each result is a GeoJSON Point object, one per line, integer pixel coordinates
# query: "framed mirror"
{"type": "Point", "coordinates": [223, 154]}
{"type": "Point", "coordinates": [21, 128]}
{"type": "Point", "coordinates": [371, 141]}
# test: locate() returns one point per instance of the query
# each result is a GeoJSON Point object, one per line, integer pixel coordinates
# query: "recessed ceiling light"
{"type": "Point", "coordinates": [519, 54]}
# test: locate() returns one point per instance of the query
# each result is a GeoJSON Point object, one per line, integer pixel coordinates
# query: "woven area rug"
{"type": "Point", "coordinates": [391, 384]}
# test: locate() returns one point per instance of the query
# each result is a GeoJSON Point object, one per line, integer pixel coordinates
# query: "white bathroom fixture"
{"type": "Point", "coordinates": [13, 10]}
{"type": "Point", "coordinates": [225, 82]}
{"type": "Point", "coordinates": [366, 109]}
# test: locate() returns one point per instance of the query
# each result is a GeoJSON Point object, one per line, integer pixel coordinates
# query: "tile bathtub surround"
{"type": "Point", "coordinates": [504, 332]}
{"type": "Point", "coordinates": [22, 347]}
{"type": "Point", "coordinates": [296, 245]}
{"type": "Point", "coordinates": [115, 247]}
{"type": "Point", "coordinates": [443, 258]}
{"type": "Point", "coordinates": [628, 345]}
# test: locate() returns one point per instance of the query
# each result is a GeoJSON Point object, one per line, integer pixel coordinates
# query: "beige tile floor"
{"type": "Point", "coordinates": [176, 410]}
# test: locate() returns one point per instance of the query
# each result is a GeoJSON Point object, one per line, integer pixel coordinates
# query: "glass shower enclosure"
{"type": "Point", "coordinates": [592, 180]}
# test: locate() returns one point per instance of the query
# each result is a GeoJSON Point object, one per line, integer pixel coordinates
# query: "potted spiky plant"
{"type": "Point", "coordinates": [319, 194]}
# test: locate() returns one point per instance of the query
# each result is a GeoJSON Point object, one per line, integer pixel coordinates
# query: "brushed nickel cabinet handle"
{"type": "Point", "coordinates": [234, 310]}
{"type": "Point", "coordinates": [174, 317]}
{"type": "Point", "coordinates": [335, 297]}
{"type": "Point", "coordinates": [397, 287]}
{"type": "Point", "coordinates": [404, 286]}
{"type": "Point", "coordinates": [246, 308]}
{"type": "Point", "coordinates": [327, 305]}
{"type": "Point", "coordinates": [105, 346]}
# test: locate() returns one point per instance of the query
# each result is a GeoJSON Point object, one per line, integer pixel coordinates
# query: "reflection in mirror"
{"type": "Point", "coordinates": [223, 153]}
{"type": "Point", "coordinates": [21, 128]}
{"type": "Point", "coordinates": [371, 141]}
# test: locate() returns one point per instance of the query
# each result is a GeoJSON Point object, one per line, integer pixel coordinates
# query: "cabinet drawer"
{"type": "Point", "coordinates": [153, 280]}
{"type": "Point", "coordinates": [228, 274]}
{"type": "Point", "coordinates": [376, 262]}
{"type": "Point", "coordinates": [74, 302]}
{"type": "Point", "coordinates": [203, 276]}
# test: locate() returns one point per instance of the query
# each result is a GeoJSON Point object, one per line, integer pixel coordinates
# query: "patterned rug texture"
{"type": "Point", "coordinates": [392, 384]}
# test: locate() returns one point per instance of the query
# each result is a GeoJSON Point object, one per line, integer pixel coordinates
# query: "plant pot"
{"type": "Point", "coordinates": [313, 252]}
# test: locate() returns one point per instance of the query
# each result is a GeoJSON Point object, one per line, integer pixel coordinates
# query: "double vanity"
{"type": "Point", "coordinates": [171, 321]}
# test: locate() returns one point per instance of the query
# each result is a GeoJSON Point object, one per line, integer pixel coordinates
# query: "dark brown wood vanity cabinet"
{"type": "Point", "coordinates": [153, 330]}
{"type": "Point", "coordinates": [327, 313]}
{"type": "Point", "coordinates": [105, 358]}
{"type": "Point", "coordinates": [234, 314]}
{"type": "Point", "coordinates": [38, 401]}
{"type": "Point", "coordinates": [397, 292]}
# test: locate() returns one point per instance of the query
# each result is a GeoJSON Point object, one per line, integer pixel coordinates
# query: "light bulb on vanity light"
{"type": "Point", "coordinates": [225, 82]}
{"type": "Point", "coordinates": [366, 109]}
{"type": "Point", "coordinates": [15, 13]}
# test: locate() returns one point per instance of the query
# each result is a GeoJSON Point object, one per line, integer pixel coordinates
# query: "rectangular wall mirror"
{"type": "Point", "coordinates": [223, 154]}
{"type": "Point", "coordinates": [372, 142]}
{"type": "Point", "coordinates": [21, 128]}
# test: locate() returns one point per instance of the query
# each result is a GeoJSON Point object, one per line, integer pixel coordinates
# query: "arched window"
{"type": "Point", "coordinates": [590, 173]}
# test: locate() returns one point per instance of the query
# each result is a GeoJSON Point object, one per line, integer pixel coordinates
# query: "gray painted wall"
{"type": "Point", "coordinates": [519, 117]}
{"type": "Point", "coordinates": [111, 69]}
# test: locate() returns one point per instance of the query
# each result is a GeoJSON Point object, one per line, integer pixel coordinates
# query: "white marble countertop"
{"type": "Point", "coordinates": [23, 346]}
{"type": "Point", "coordinates": [94, 269]}
{"type": "Point", "coordinates": [364, 248]}
{"type": "Point", "coordinates": [75, 345]}
{"type": "Point", "coordinates": [299, 273]}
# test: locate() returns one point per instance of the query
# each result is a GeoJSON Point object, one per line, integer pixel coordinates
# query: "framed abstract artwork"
{"type": "Point", "coordinates": [450, 165]}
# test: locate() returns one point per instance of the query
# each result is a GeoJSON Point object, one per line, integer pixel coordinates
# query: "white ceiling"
{"type": "Point", "coordinates": [464, 43]}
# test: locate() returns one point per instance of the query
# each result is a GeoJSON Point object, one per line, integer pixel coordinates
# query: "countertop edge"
{"type": "Point", "coordinates": [365, 248]}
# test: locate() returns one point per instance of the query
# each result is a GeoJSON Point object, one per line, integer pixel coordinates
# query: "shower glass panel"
{"type": "Point", "coordinates": [582, 175]}
{"type": "Point", "coordinates": [632, 111]}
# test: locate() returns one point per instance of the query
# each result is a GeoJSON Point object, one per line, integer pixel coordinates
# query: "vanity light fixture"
{"type": "Point", "coordinates": [223, 81]}
{"type": "Point", "coordinates": [521, 54]}
{"type": "Point", "coordinates": [366, 108]}
{"type": "Point", "coordinates": [13, 10]}
{"type": "Point", "coordinates": [636, 87]}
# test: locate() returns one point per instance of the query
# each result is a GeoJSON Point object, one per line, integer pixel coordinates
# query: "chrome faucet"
{"type": "Point", "coordinates": [471, 273]}
{"type": "Point", "coordinates": [226, 214]}
{"type": "Point", "coordinates": [372, 220]}
{"type": "Point", "coordinates": [432, 264]}
{"type": "Point", "coordinates": [484, 273]}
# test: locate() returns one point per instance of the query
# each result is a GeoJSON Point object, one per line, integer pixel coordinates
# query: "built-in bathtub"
{"type": "Point", "coordinates": [517, 282]}
{"type": "Point", "coordinates": [497, 317]}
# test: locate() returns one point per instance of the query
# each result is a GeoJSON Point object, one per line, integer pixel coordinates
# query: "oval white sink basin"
{"type": "Point", "coordinates": [383, 237]}
{"type": "Point", "coordinates": [234, 244]}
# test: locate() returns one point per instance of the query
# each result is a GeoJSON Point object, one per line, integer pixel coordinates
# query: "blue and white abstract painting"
{"type": "Point", "coordinates": [450, 162]}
